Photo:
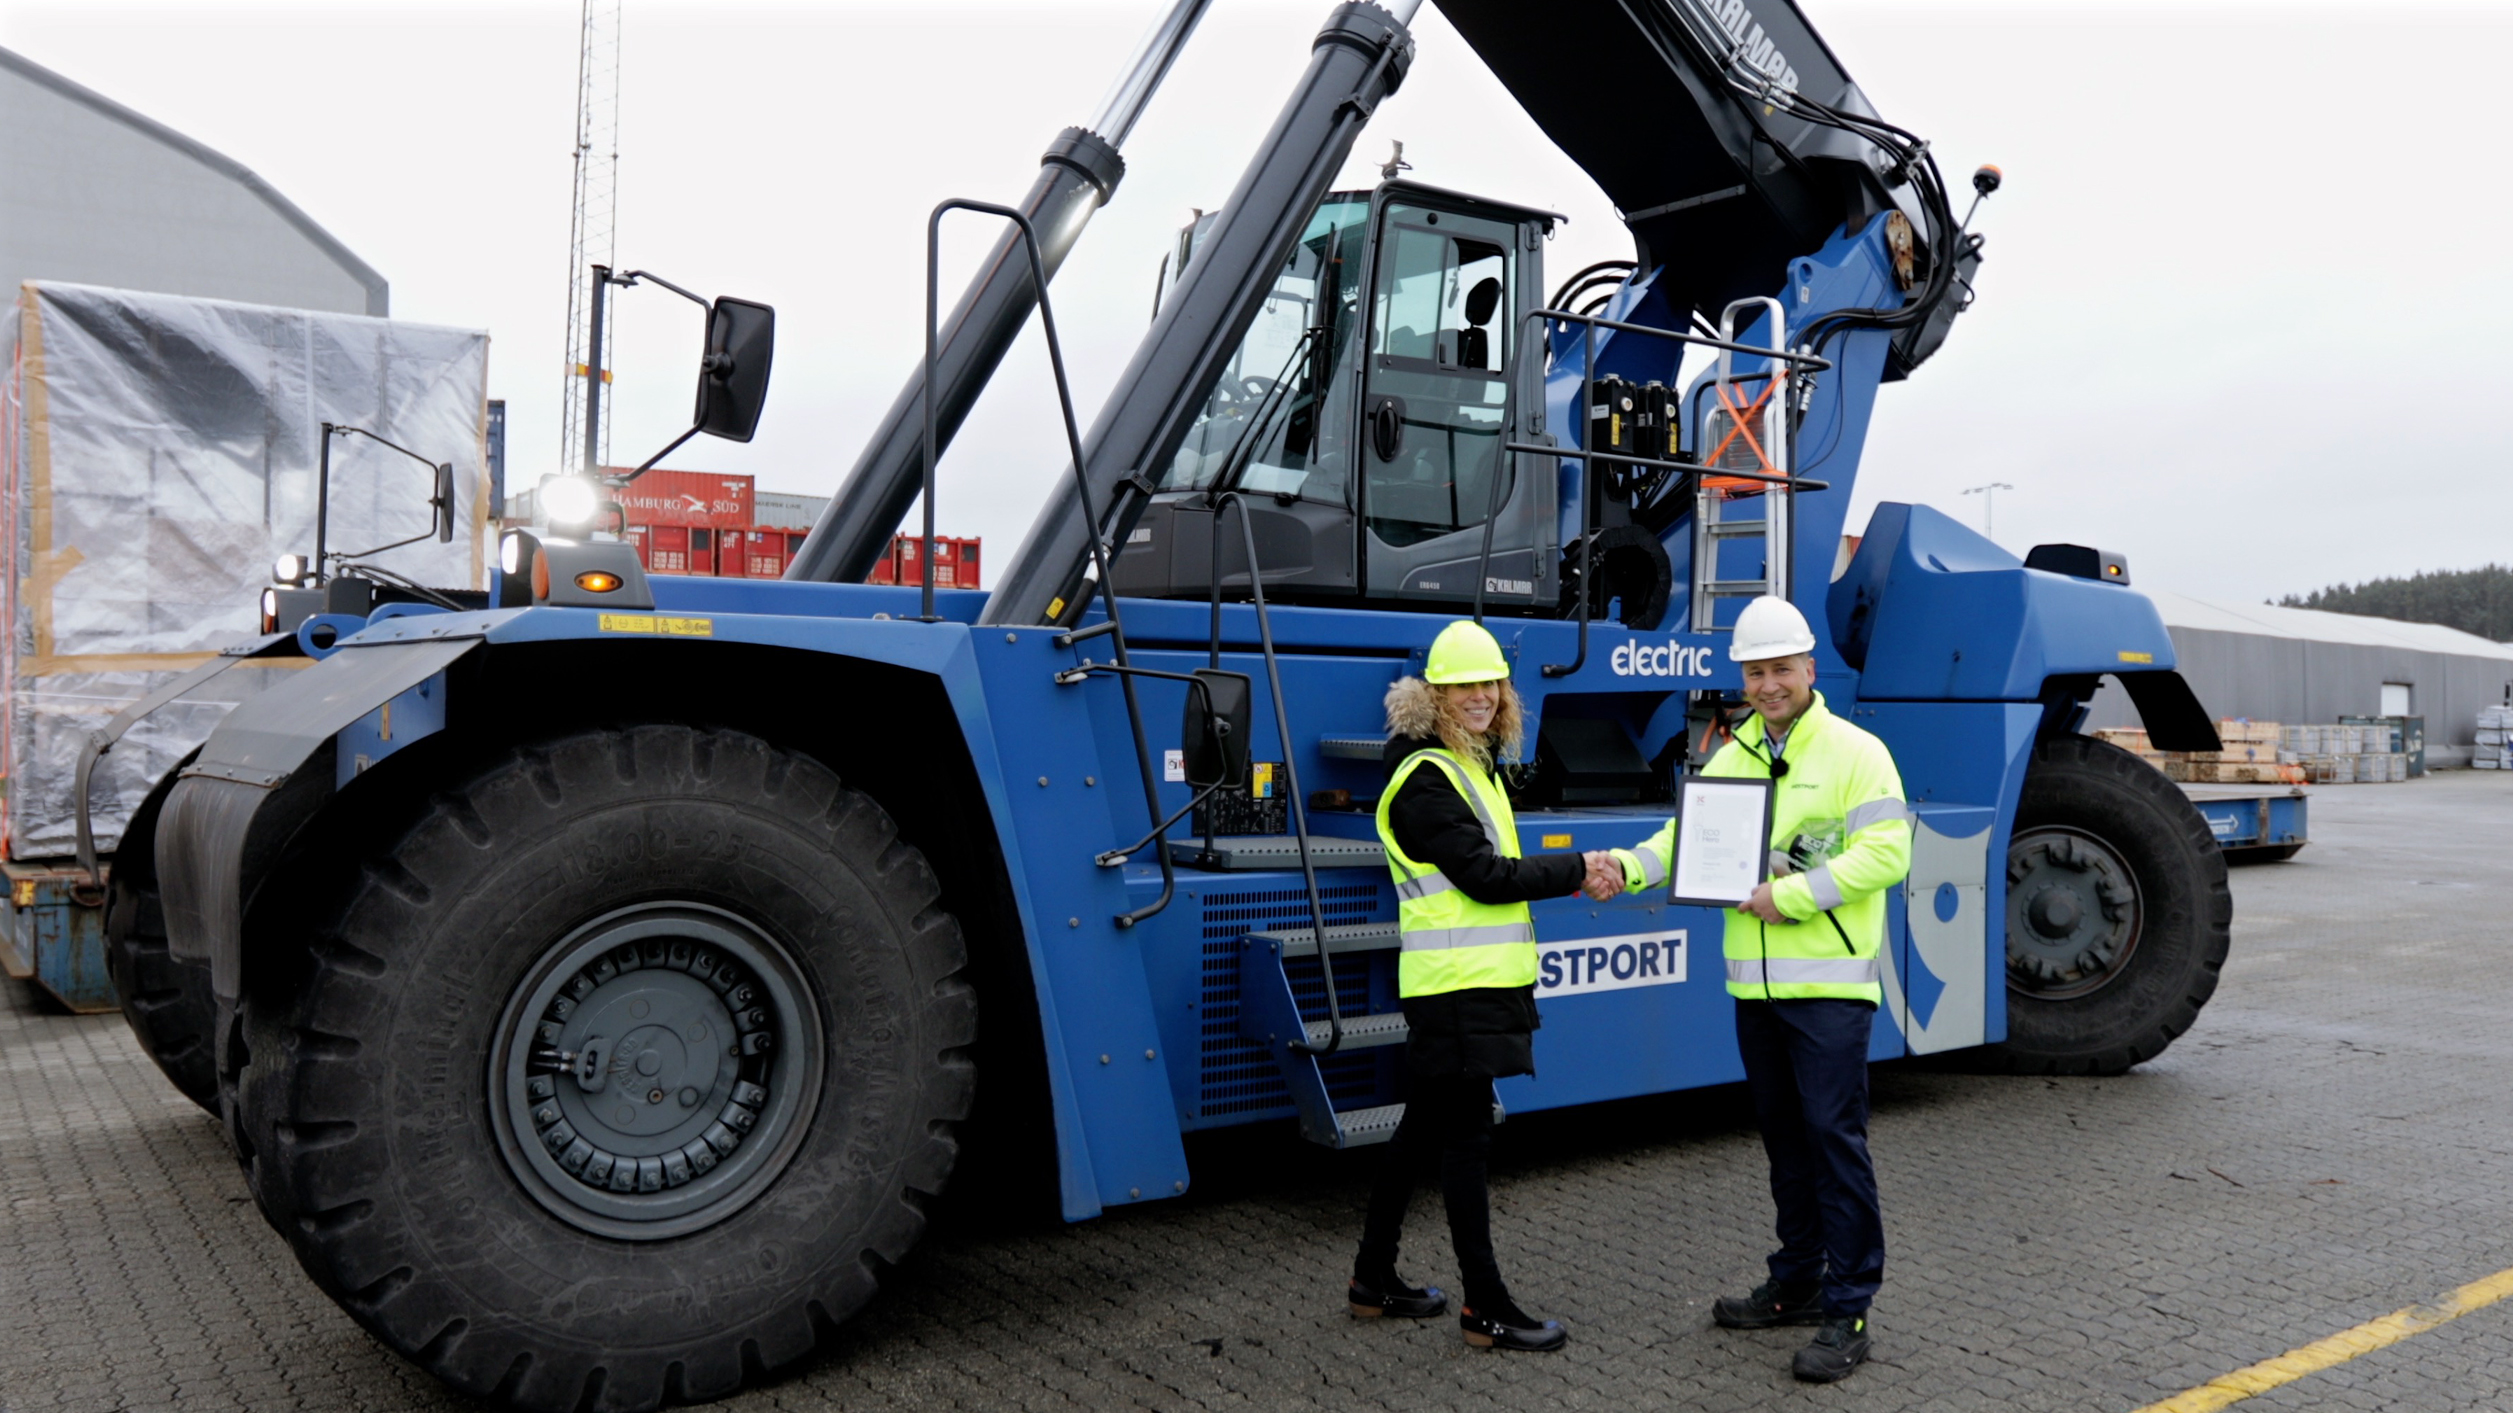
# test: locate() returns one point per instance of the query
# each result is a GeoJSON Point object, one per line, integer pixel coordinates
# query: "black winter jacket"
{"type": "Point", "coordinates": [1485, 1030]}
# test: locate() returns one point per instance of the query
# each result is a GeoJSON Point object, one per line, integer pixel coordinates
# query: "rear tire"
{"type": "Point", "coordinates": [2118, 915]}
{"type": "Point", "coordinates": [683, 893]}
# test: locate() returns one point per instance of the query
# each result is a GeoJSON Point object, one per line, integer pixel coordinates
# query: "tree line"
{"type": "Point", "coordinates": [2476, 601]}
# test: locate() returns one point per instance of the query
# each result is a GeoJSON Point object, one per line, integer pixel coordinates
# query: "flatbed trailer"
{"type": "Point", "coordinates": [2254, 824]}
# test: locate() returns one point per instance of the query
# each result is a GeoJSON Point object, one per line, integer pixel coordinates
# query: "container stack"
{"type": "Point", "coordinates": [2495, 739]}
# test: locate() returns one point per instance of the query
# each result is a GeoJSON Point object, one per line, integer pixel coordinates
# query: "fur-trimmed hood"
{"type": "Point", "coordinates": [1413, 709]}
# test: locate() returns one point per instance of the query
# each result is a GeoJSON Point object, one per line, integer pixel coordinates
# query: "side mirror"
{"type": "Point", "coordinates": [733, 376]}
{"type": "Point", "coordinates": [1214, 736]}
{"type": "Point", "coordinates": [444, 502]}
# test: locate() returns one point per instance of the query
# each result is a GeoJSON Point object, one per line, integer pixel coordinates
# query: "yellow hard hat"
{"type": "Point", "coordinates": [1464, 652]}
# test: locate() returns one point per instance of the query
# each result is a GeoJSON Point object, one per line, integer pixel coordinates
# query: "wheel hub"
{"type": "Point", "coordinates": [2073, 913]}
{"type": "Point", "coordinates": [655, 1069]}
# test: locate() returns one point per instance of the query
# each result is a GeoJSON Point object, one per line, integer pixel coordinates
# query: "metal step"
{"type": "Point", "coordinates": [1355, 1128]}
{"type": "Point", "coordinates": [1362, 1032]}
{"type": "Point", "coordinates": [1352, 747]}
{"type": "Point", "coordinates": [1361, 937]}
{"type": "Point", "coordinates": [1359, 1128]}
{"type": "Point", "coordinates": [1736, 588]}
{"type": "Point", "coordinates": [1245, 853]}
{"type": "Point", "coordinates": [1736, 529]}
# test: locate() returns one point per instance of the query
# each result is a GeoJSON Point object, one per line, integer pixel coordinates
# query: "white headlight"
{"type": "Point", "coordinates": [291, 569]}
{"type": "Point", "coordinates": [510, 554]}
{"type": "Point", "coordinates": [569, 500]}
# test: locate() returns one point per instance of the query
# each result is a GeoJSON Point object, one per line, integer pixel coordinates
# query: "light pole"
{"type": "Point", "coordinates": [1988, 494]}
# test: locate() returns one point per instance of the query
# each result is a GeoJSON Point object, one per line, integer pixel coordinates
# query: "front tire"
{"type": "Point", "coordinates": [2118, 914]}
{"type": "Point", "coordinates": [168, 1004]}
{"type": "Point", "coordinates": [691, 960]}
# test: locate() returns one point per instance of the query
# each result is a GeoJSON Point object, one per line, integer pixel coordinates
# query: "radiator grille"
{"type": "Point", "coordinates": [1239, 1079]}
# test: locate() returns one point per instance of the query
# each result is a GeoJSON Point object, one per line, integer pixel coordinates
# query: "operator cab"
{"type": "Point", "coordinates": [1362, 418]}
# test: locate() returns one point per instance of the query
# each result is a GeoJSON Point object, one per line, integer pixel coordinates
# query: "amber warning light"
{"type": "Point", "coordinates": [597, 581]}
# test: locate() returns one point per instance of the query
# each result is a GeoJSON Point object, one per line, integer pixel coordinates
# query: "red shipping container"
{"type": "Point", "coordinates": [667, 550]}
{"type": "Point", "coordinates": [694, 498]}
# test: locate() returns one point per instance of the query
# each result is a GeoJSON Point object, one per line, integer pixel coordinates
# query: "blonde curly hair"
{"type": "Point", "coordinates": [1417, 708]}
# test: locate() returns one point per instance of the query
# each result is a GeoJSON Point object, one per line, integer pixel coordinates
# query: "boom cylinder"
{"type": "Point", "coordinates": [1358, 59]}
{"type": "Point", "coordinates": [1076, 177]}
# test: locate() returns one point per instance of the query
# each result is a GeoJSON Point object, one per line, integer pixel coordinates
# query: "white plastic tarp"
{"type": "Point", "coordinates": [160, 453]}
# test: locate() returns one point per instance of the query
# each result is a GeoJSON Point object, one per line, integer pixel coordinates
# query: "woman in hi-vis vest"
{"type": "Point", "coordinates": [1467, 972]}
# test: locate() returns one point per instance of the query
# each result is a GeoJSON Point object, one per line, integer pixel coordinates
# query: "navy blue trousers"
{"type": "Point", "coordinates": [1806, 1065]}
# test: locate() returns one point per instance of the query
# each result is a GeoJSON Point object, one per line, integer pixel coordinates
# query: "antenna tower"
{"type": "Point", "coordinates": [589, 239]}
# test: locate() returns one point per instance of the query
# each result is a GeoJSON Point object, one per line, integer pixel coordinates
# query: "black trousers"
{"type": "Point", "coordinates": [1806, 1065]}
{"type": "Point", "coordinates": [1451, 1116]}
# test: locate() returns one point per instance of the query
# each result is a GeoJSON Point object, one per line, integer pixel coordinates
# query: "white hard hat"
{"type": "Point", "coordinates": [1768, 628]}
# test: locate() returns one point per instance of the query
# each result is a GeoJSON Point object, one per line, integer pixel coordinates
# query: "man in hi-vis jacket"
{"type": "Point", "coordinates": [1802, 960]}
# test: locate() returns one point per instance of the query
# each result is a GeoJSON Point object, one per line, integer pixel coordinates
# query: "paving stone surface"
{"type": "Point", "coordinates": [2330, 1144]}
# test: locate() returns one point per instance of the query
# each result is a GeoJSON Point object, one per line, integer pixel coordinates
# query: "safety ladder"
{"type": "Point", "coordinates": [1747, 431]}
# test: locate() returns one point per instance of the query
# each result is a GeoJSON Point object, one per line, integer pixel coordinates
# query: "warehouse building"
{"type": "Point", "coordinates": [2299, 665]}
{"type": "Point", "coordinates": [94, 193]}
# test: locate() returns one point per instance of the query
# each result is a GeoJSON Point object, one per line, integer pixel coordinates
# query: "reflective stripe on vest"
{"type": "Point", "coordinates": [1423, 885]}
{"type": "Point", "coordinates": [1450, 942]}
{"type": "Point", "coordinates": [1432, 939]}
{"type": "Point", "coordinates": [1802, 971]}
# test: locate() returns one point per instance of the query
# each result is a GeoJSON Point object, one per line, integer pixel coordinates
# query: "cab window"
{"type": "Point", "coordinates": [1300, 419]}
{"type": "Point", "coordinates": [1441, 329]}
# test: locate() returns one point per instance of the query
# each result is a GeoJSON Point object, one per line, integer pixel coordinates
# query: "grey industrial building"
{"type": "Point", "coordinates": [2297, 665]}
{"type": "Point", "coordinates": [94, 193]}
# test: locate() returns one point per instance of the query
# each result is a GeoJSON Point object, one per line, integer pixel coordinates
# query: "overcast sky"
{"type": "Point", "coordinates": [2242, 319]}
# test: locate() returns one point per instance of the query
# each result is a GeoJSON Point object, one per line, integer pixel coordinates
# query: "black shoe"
{"type": "Point", "coordinates": [1839, 1347]}
{"type": "Point", "coordinates": [1395, 1299]}
{"type": "Point", "coordinates": [1771, 1304]}
{"type": "Point", "coordinates": [1512, 1329]}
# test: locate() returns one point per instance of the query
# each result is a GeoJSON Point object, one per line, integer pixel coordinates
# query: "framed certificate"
{"type": "Point", "coordinates": [1722, 841]}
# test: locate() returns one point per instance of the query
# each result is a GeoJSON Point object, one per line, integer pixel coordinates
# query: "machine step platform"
{"type": "Point", "coordinates": [1270, 1017]}
{"type": "Point", "coordinates": [1361, 937]}
{"type": "Point", "coordinates": [1353, 747]}
{"type": "Point", "coordinates": [1247, 853]}
{"type": "Point", "coordinates": [1364, 1032]}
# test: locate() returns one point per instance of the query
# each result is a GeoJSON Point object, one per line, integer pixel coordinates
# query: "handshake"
{"type": "Point", "coordinates": [1605, 875]}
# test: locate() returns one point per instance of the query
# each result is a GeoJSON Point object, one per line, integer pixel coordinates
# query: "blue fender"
{"type": "Point", "coordinates": [1930, 611]}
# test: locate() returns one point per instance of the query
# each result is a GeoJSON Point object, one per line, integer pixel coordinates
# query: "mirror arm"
{"type": "Point", "coordinates": [658, 456]}
{"type": "Point", "coordinates": [633, 276]}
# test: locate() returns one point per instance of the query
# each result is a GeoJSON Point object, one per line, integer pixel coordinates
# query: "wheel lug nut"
{"type": "Point", "coordinates": [689, 1098]}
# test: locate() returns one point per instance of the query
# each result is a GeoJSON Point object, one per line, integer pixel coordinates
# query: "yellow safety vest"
{"type": "Point", "coordinates": [1452, 942]}
{"type": "Point", "coordinates": [1841, 803]}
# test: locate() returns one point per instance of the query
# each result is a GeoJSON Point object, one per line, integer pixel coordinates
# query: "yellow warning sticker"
{"type": "Point", "coordinates": [658, 623]}
{"type": "Point", "coordinates": [1557, 841]}
{"type": "Point", "coordinates": [2137, 657]}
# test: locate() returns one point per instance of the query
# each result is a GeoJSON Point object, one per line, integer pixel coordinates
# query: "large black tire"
{"type": "Point", "coordinates": [2118, 916]}
{"type": "Point", "coordinates": [167, 1003]}
{"type": "Point", "coordinates": [398, 1079]}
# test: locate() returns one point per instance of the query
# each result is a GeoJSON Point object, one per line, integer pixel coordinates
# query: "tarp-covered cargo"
{"type": "Point", "coordinates": [159, 453]}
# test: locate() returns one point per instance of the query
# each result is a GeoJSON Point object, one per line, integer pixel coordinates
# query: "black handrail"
{"type": "Point", "coordinates": [1298, 805]}
{"type": "Point", "coordinates": [1589, 324]}
{"type": "Point", "coordinates": [1073, 441]}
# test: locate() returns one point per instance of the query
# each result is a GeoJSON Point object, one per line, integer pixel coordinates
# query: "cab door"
{"type": "Point", "coordinates": [1448, 283]}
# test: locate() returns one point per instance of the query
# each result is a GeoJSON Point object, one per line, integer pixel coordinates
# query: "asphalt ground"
{"type": "Point", "coordinates": [2328, 1146]}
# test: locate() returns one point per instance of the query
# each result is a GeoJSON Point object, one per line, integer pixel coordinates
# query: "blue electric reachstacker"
{"type": "Point", "coordinates": [601, 984]}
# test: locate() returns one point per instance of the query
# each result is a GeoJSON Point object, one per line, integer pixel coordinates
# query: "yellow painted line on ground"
{"type": "Point", "coordinates": [2337, 1349]}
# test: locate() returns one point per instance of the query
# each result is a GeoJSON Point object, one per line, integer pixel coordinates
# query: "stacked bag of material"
{"type": "Point", "coordinates": [2345, 755]}
{"type": "Point", "coordinates": [2495, 738]}
{"type": "Point", "coordinates": [2248, 755]}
